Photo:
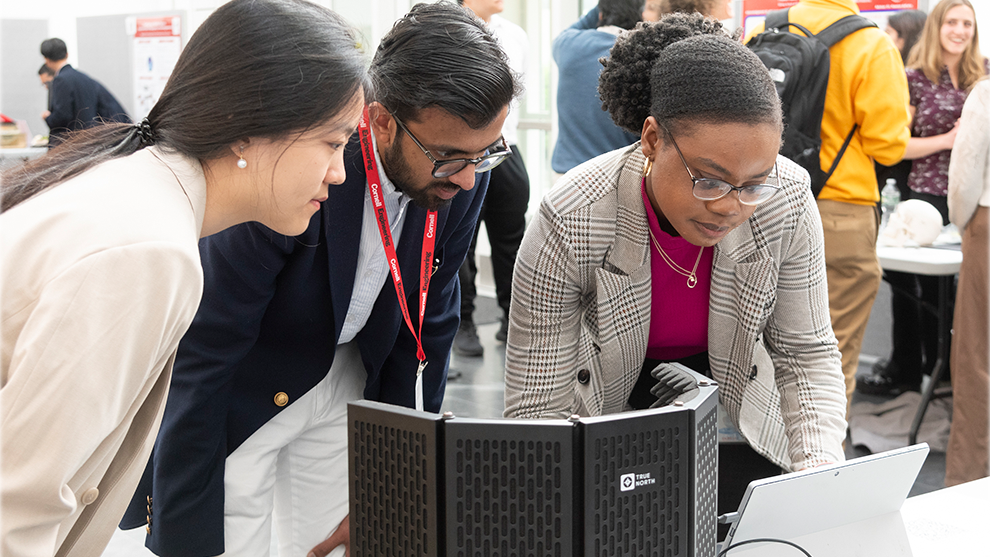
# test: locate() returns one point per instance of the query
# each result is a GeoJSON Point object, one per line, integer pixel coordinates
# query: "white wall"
{"type": "Point", "coordinates": [105, 56]}
{"type": "Point", "coordinates": [21, 95]}
{"type": "Point", "coordinates": [62, 14]}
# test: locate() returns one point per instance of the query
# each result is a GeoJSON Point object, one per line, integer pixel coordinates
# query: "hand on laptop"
{"type": "Point", "coordinates": [817, 465]}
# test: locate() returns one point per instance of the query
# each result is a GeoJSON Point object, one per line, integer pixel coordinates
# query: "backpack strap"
{"type": "Point", "coordinates": [830, 36]}
{"type": "Point", "coordinates": [838, 156]}
{"type": "Point", "coordinates": [778, 19]}
{"type": "Point", "coordinates": [842, 28]}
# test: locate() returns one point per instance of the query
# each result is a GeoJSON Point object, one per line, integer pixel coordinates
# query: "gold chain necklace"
{"type": "Point", "coordinates": [692, 278]}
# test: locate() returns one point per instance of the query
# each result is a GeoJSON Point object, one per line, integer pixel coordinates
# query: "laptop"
{"type": "Point", "coordinates": [823, 508]}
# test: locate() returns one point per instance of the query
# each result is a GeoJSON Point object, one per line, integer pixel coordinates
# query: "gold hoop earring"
{"type": "Point", "coordinates": [647, 167]}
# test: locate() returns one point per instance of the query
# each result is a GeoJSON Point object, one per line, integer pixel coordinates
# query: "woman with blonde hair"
{"type": "Point", "coordinates": [950, 42]}
{"type": "Point", "coordinates": [942, 68]}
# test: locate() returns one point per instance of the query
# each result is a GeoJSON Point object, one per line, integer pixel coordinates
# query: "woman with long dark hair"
{"type": "Point", "coordinates": [904, 29]}
{"type": "Point", "coordinates": [101, 271]}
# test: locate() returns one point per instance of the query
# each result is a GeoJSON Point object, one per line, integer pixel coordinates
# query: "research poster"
{"type": "Point", "coordinates": [157, 44]}
{"type": "Point", "coordinates": [755, 11]}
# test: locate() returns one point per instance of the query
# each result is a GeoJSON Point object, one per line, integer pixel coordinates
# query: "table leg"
{"type": "Point", "coordinates": [941, 362]}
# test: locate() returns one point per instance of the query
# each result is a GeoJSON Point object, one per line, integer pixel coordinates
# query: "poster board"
{"type": "Point", "coordinates": [755, 11]}
{"type": "Point", "coordinates": [157, 44]}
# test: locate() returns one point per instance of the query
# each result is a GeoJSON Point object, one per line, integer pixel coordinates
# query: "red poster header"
{"type": "Point", "coordinates": [165, 26]}
{"type": "Point", "coordinates": [761, 7]}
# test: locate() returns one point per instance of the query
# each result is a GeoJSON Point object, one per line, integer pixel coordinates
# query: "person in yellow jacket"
{"type": "Point", "coordinates": [866, 87]}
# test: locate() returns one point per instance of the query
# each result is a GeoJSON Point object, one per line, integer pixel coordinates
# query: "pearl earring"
{"type": "Point", "coordinates": [242, 163]}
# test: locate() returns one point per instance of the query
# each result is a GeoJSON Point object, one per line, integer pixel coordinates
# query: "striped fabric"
{"type": "Point", "coordinates": [581, 301]}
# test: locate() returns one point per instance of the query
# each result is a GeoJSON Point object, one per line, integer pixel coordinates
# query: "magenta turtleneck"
{"type": "Point", "coordinates": [679, 315]}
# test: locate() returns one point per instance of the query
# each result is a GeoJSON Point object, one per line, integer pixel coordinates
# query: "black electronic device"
{"type": "Point", "coordinates": [638, 483]}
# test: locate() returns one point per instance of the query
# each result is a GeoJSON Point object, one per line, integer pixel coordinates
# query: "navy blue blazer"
{"type": "Point", "coordinates": [272, 310]}
{"type": "Point", "coordinates": [78, 101]}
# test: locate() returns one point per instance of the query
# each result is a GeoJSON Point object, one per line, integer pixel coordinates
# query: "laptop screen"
{"type": "Point", "coordinates": [793, 505]}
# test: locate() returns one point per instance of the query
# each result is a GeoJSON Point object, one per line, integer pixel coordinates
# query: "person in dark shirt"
{"type": "Point", "coordinates": [76, 101]}
{"type": "Point", "coordinates": [584, 129]}
{"type": "Point", "coordinates": [46, 75]}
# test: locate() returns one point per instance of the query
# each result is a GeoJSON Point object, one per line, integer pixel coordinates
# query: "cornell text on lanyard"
{"type": "Point", "coordinates": [426, 259]}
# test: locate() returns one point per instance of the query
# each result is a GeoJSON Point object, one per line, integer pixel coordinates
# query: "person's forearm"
{"type": "Point", "coordinates": [918, 147]}
{"type": "Point", "coordinates": [590, 20]}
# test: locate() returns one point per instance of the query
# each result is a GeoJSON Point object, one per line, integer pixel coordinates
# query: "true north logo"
{"type": "Point", "coordinates": [629, 482]}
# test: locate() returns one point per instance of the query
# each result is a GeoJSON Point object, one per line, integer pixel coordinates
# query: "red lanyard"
{"type": "Point", "coordinates": [426, 260]}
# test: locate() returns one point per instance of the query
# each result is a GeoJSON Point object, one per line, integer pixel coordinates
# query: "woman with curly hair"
{"type": "Point", "coordinates": [718, 9]}
{"type": "Point", "coordinates": [697, 244]}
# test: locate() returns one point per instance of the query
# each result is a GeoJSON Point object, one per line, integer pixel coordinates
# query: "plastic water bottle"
{"type": "Point", "coordinates": [890, 196]}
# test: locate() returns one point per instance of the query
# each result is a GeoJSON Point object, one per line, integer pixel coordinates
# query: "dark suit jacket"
{"type": "Point", "coordinates": [78, 101]}
{"type": "Point", "coordinates": [273, 308]}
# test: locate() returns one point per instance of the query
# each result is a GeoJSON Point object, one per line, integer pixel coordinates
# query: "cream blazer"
{"type": "Point", "coordinates": [581, 301]}
{"type": "Point", "coordinates": [969, 166]}
{"type": "Point", "coordinates": [100, 278]}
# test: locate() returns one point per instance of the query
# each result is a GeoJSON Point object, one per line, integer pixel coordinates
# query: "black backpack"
{"type": "Point", "coordinates": [799, 66]}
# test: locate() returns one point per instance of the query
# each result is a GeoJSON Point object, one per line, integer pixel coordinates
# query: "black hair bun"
{"type": "Point", "coordinates": [624, 84]}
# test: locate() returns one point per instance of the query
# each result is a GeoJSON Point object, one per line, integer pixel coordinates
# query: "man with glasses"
{"type": "Point", "coordinates": [364, 304]}
{"type": "Point", "coordinates": [46, 75]}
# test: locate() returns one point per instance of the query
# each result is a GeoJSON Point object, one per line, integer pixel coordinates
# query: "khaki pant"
{"type": "Point", "coordinates": [967, 457]}
{"type": "Point", "coordinates": [853, 273]}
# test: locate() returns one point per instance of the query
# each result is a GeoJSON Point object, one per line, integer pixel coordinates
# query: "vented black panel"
{"type": "Point", "coordinates": [393, 480]}
{"type": "Point", "coordinates": [638, 484]}
{"type": "Point", "coordinates": [637, 488]}
{"type": "Point", "coordinates": [509, 488]}
{"type": "Point", "coordinates": [706, 526]}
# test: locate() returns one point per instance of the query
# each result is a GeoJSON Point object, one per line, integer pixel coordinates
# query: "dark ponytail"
{"type": "Point", "coordinates": [254, 68]}
{"type": "Point", "coordinates": [685, 67]}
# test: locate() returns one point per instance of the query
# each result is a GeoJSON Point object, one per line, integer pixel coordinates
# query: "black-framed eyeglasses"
{"type": "Point", "coordinates": [710, 189]}
{"type": "Point", "coordinates": [449, 167]}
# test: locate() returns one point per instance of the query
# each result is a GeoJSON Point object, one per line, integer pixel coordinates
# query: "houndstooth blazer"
{"type": "Point", "coordinates": [581, 303]}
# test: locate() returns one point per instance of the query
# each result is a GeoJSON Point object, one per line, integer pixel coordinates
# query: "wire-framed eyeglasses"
{"type": "Point", "coordinates": [710, 189]}
{"type": "Point", "coordinates": [449, 167]}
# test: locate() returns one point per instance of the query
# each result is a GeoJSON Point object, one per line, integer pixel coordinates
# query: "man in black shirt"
{"type": "Point", "coordinates": [76, 101]}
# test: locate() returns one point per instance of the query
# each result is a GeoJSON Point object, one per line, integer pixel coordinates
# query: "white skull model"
{"type": "Point", "coordinates": [914, 223]}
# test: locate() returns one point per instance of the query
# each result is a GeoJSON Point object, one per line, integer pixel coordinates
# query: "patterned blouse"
{"type": "Point", "coordinates": [937, 107]}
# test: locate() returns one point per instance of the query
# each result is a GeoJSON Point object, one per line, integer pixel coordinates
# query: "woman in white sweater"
{"type": "Point", "coordinates": [968, 455]}
{"type": "Point", "coordinates": [99, 258]}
